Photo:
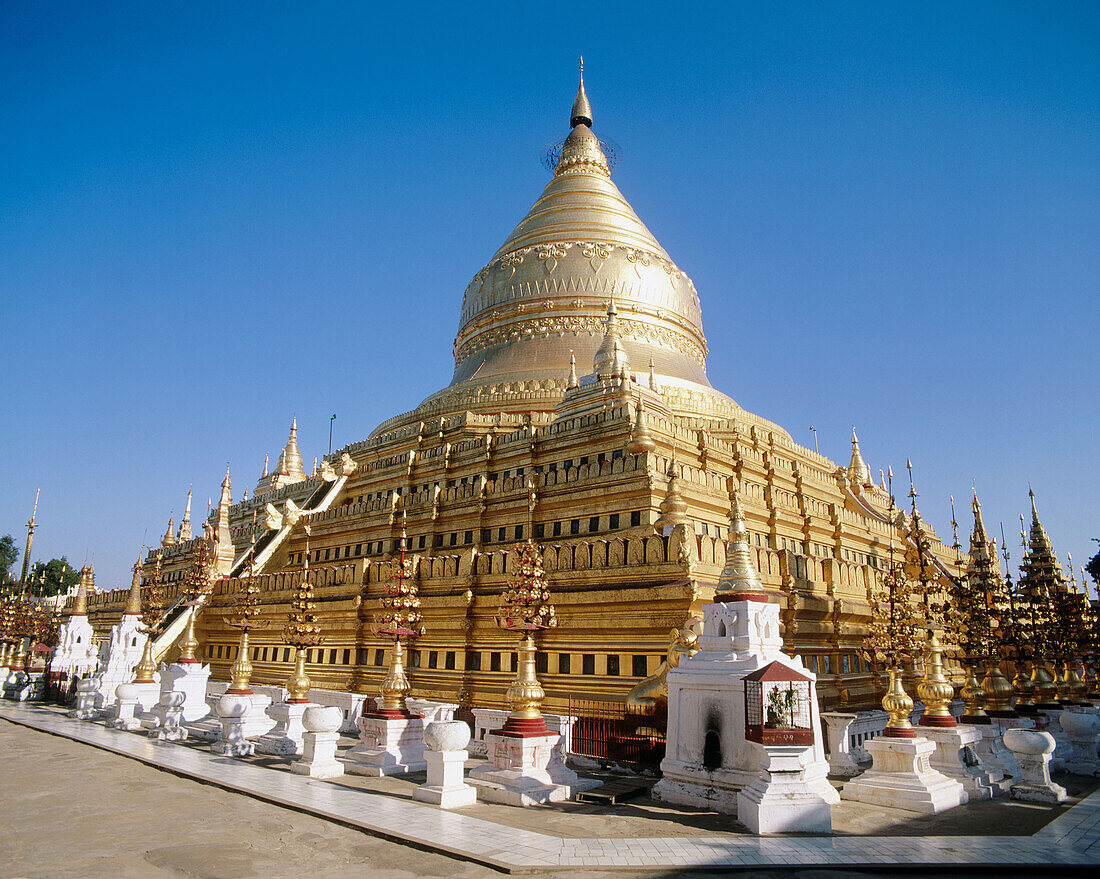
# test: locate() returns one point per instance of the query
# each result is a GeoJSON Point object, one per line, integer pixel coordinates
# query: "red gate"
{"type": "Point", "coordinates": [605, 731]}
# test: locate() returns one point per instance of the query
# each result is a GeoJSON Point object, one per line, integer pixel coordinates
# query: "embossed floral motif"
{"type": "Point", "coordinates": [511, 262]}
{"type": "Point", "coordinates": [550, 254]}
{"type": "Point", "coordinates": [595, 253]}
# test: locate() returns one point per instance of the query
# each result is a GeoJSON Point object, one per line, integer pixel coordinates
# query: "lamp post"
{"type": "Point", "coordinates": [332, 418]}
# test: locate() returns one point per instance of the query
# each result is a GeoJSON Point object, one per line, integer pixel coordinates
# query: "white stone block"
{"type": "Point", "coordinates": [387, 746]}
{"type": "Point", "coordinates": [901, 777]}
{"type": "Point", "coordinates": [781, 800]}
{"type": "Point", "coordinates": [321, 734]}
{"type": "Point", "coordinates": [232, 709]}
{"type": "Point", "coordinates": [446, 758]}
{"type": "Point", "coordinates": [956, 757]}
{"type": "Point", "coordinates": [171, 728]}
{"type": "Point", "coordinates": [1082, 729]}
{"type": "Point", "coordinates": [1033, 750]}
{"type": "Point", "coordinates": [287, 737]}
{"type": "Point", "coordinates": [837, 726]}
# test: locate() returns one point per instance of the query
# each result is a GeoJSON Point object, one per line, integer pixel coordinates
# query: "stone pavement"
{"type": "Point", "coordinates": [1070, 839]}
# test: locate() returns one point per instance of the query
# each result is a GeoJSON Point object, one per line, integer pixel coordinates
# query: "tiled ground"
{"type": "Point", "coordinates": [1071, 838]}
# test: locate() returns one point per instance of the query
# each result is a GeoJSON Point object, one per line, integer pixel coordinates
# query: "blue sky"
{"type": "Point", "coordinates": [215, 215]}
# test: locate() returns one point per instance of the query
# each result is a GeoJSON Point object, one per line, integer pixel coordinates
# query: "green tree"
{"type": "Point", "coordinates": [1093, 567]}
{"type": "Point", "coordinates": [8, 555]}
{"type": "Point", "coordinates": [54, 576]}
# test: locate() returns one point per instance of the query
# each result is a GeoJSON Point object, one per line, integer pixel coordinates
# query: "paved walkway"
{"type": "Point", "coordinates": [1072, 838]}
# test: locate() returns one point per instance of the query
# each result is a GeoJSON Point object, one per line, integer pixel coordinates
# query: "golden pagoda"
{"type": "Point", "coordinates": [580, 366]}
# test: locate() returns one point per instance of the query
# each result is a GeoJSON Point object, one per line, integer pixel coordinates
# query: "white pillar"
{"type": "Point", "coordinates": [1033, 749]}
{"type": "Point", "coordinates": [1082, 729]}
{"type": "Point", "coordinates": [322, 725]}
{"type": "Point", "coordinates": [232, 709]}
{"type": "Point", "coordinates": [446, 758]}
{"type": "Point", "coordinates": [841, 762]}
{"type": "Point", "coordinates": [171, 730]}
{"type": "Point", "coordinates": [127, 702]}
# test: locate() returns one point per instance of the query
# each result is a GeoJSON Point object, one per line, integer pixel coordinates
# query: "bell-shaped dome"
{"type": "Point", "coordinates": [544, 294]}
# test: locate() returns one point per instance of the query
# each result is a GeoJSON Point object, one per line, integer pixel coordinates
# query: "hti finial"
{"type": "Point", "coordinates": [582, 110]}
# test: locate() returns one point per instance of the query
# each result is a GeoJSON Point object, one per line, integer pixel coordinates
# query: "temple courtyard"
{"type": "Point", "coordinates": [83, 800]}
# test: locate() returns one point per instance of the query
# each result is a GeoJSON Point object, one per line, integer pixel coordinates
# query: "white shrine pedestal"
{"type": "Point", "coordinates": [322, 732]}
{"type": "Point", "coordinates": [446, 757]}
{"type": "Point", "coordinates": [780, 800]}
{"type": "Point", "coordinates": [287, 738]}
{"type": "Point", "coordinates": [956, 756]}
{"type": "Point", "coordinates": [841, 761]}
{"type": "Point", "coordinates": [390, 743]}
{"type": "Point", "coordinates": [706, 703]}
{"type": "Point", "coordinates": [189, 678]}
{"type": "Point", "coordinates": [1033, 749]}
{"type": "Point", "coordinates": [524, 768]}
{"type": "Point", "coordinates": [901, 777]}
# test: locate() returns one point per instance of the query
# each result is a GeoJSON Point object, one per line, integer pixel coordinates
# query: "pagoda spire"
{"type": "Point", "coordinates": [640, 440]}
{"type": "Point", "coordinates": [673, 508]}
{"type": "Point", "coordinates": [572, 381]}
{"type": "Point", "coordinates": [582, 110]}
{"type": "Point", "coordinates": [611, 359]}
{"type": "Point", "coordinates": [267, 459]}
{"type": "Point", "coordinates": [739, 576]}
{"type": "Point", "coordinates": [858, 471]}
{"type": "Point", "coordinates": [31, 525]}
{"type": "Point", "coordinates": [185, 523]}
{"type": "Point", "coordinates": [169, 538]}
{"type": "Point", "coordinates": [133, 600]}
{"type": "Point", "coordinates": [80, 605]}
{"type": "Point", "coordinates": [223, 548]}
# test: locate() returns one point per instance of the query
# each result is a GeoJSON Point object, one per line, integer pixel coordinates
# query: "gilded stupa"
{"type": "Point", "coordinates": [543, 298]}
{"type": "Point", "coordinates": [580, 416]}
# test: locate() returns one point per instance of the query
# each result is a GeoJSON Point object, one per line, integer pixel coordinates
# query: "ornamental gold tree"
{"type": "Point", "coordinates": [986, 611]}
{"type": "Point", "coordinates": [934, 689]}
{"type": "Point", "coordinates": [197, 586]}
{"type": "Point", "coordinates": [152, 622]}
{"type": "Point", "coordinates": [526, 609]}
{"type": "Point", "coordinates": [893, 635]}
{"type": "Point", "coordinates": [301, 632]}
{"type": "Point", "coordinates": [398, 619]}
{"type": "Point", "coordinates": [246, 611]}
{"type": "Point", "coordinates": [1038, 575]}
{"type": "Point", "coordinates": [971, 623]}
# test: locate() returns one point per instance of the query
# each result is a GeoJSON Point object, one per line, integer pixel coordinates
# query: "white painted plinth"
{"type": "Point", "coordinates": [232, 709]}
{"type": "Point", "coordinates": [517, 771]}
{"type": "Point", "coordinates": [956, 756]}
{"type": "Point", "coordinates": [446, 755]}
{"type": "Point", "coordinates": [87, 689]}
{"type": "Point", "coordinates": [190, 679]}
{"type": "Point", "coordinates": [1063, 750]}
{"type": "Point", "coordinates": [445, 787]}
{"type": "Point", "coordinates": [171, 727]}
{"type": "Point", "coordinates": [841, 762]}
{"type": "Point", "coordinates": [1082, 729]}
{"type": "Point", "coordinates": [321, 734]}
{"type": "Point", "coordinates": [901, 777]}
{"type": "Point", "coordinates": [287, 737]}
{"type": "Point", "coordinates": [780, 800]}
{"type": "Point", "coordinates": [1033, 750]}
{"type": "Point", "coordinates": [126, 705]}
{"type": "Point", "coordinates": [387, 746]}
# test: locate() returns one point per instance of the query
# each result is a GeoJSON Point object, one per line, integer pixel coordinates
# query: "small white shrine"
{"type": "Point", "coordinates": [776, 782]}
{"type": "Point", "coordinates": [119, 656]}
{"type": "Point", "coordinates": [76, 652]}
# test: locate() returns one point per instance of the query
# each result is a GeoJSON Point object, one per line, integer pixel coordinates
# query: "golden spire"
{"type": "Point", "coordinates": [611, 359]}
{"type": "Point", "coordinates": [185, 523]}
{"type": "Point", "coordinates": [652, 378]}
{"type": "Point", "coordinates": [640, 440]}
{"type": "Point", "coordinates": [133, 600]}
{"type": "Point", "coordinates": [582, 110]}
{"type": "Point", "coordinates": [292, 458]}
{"type": "Point", "coordinates": [31, 525]}
{"type": "Point", "coordinates": [169, 539]}
{"type": "Point", "coordinates": [313, 473]}
{"type": "Point", "coordinates": [739, 576]}
{"type": "Point", "coordinates": [267, 458]}
{"type": "Point", "coordinates": [572, 382]}
{"type": "Point", "coordinates": [80, 605]}
{"type": "Point", "coordinates": [673, 508]}
{"type": "Point", "coordinates": [858, 471]}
